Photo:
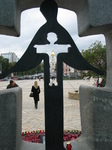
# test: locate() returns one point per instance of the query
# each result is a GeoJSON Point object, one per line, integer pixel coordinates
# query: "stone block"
{"type": "Point", "coordinates": [73, 95]}
{"type": "Point", "coordinates": [95, 17]}
{"type": "Point", "coordinates": [10, 118]}
{"type": "Point", "coordinates": [96, 117]}
{"type": "Point", "coordinates": [9, 17]}
{"type": "Point", "coordinates": [100, 12]}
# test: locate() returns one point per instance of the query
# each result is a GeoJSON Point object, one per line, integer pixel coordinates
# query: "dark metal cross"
{"type": "Point", "coordinates": [54, 108]}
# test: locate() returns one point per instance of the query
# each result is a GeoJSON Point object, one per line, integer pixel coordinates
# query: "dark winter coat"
{"type": "Point", "coordinates": [36, 92]}
{"type": "Point", "coordinates": [12, 86]}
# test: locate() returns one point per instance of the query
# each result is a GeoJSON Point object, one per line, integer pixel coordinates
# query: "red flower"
{"type": "Point", "coordinates": [35, 136]}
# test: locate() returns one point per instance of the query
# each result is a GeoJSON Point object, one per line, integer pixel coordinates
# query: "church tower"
{"type": "Point", "coordinates": [52, 62]}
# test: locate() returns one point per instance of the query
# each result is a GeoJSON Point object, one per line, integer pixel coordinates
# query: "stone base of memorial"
{"type": "Point", "coordinates": [96, 119]}
{"type": "Point", "coordinates": [10, 118]}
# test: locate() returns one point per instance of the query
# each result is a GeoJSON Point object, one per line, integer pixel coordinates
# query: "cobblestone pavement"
{"type": "Point", "coordinates": [33, 119]}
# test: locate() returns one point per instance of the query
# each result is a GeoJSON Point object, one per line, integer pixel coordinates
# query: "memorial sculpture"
{"type": "Point", "coordinates": [49, 9]}
{"type": "Point", "coordinates": [53, 94]}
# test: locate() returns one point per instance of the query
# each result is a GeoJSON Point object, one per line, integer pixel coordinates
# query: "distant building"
{"type": "Point", "coordinates": [11, 56]}
{"type": "Point", "coordinates": [67, 69]}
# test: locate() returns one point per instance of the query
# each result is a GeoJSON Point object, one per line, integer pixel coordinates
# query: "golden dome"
{"type": "Point", "coordinates": [52, 54]}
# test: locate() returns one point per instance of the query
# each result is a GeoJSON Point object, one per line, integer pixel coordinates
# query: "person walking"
{"type": "Point", "coordinates": [36, 91]}
{"type": "Point", "coordinates": [12, 84]}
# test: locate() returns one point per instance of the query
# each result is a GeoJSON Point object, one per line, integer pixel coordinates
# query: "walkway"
{"type": "Point", "coordinates": [33, 119]}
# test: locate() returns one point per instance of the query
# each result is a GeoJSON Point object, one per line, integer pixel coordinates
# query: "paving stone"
{"type": "Point", "coordinates": [33, 119]}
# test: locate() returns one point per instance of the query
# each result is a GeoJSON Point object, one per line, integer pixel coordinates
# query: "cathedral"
{"type": "Point", "coordinates": [66, 69]}
{"type": "Point", "coordinates": [52, 63]}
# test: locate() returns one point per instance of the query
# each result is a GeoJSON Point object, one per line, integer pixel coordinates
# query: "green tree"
{"type": "Point", "coordinates": [96, 56]}
{"type": "Point", "coordinates": [11, 65]}
{"type": "Point", "coordinates": [42, 66]}
{"type": "Point", "coordinates": [37, 69]}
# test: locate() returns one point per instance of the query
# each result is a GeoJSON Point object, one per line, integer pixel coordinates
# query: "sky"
{"type": "Point", "coordinates": [32, 20]}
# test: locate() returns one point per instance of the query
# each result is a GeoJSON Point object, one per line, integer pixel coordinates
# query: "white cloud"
{"type": "Point", "coordinates": [68, 20]}
{"type": "Point", "coordinates": [84, 43]}
{"type": "Point", "coordinates": [32, 20]}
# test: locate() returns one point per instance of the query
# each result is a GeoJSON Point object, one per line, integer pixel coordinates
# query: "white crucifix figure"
{"type": "Point", "coordinates": [52, 50]}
